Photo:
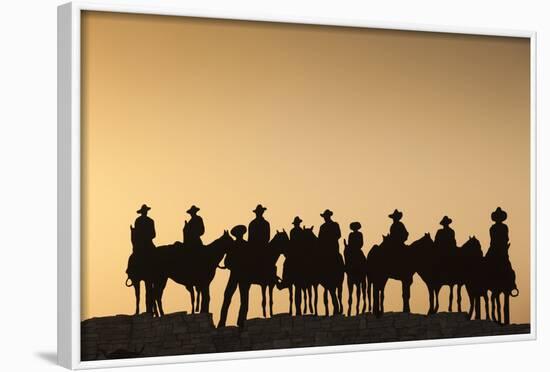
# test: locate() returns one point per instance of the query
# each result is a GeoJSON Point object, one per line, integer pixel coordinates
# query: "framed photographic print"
{"type": "Point", "coordinates": [235, 186]}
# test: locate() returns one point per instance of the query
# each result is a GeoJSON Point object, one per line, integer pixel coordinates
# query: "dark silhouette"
{"type": "Point", "coordinates": [312, 261]}
{"type": "Point", "coordinates": [144, 230]}
{"type": "Point", "coordinates": [259, 229]}
{"type": "Point", "coordinates": [193, 229]}
{"type": "Point", "coordinates": [192, 268]}
{"type": "Point", "coordinates": [398, 232]}
{"type": "Point", "coordinates": [448, 257]}
{"type": "Point", "coordinates": [251, 266]}
{"type": "Point", "coordinates": [142, 236]}
{"type": "Point", "coordinates": [356, 267]}
{"type": "Point", "coordinates": [500, 274]}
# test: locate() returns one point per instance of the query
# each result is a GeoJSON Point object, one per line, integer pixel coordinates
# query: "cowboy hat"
{"type": "Point", "coordinates": [499, 215]}
{"type": "Point", "coordinates": [326, 213]}
{"type": "Point", "coordinates": [238, 231]}
{"type": "Point", "coordinates": [297, 220]}
{"type": "Point", "coordinates": [193, 209]}
{"type": "Point", "coordinates": [259, 208]}
{"type": "Point", "coordinates": [355, 226]}
{"type": "Point", "coordinates": [446, 221]}
{"type": "Point", "coordinates": [144, 208]}
{"type": "Point", "coordinates": [396, 215]}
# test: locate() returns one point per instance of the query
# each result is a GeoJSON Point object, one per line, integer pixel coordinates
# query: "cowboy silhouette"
{"type": "Point", "coordinates": [258, 229]}
{"type": "Point", "coordinates": [232, 261]}
{"type": "Point", "coordinates": [498, 248]}
{"type": "Point", "coordinates": [144, 229]}
{"type": "Point", "coordinates": [297, 231]}
{"type": "Point", "coordinates": [193, 229]}
{"type": "Point", "coordinates": [296, 242]}
{"type": "Point", "coordinates": [398, 232]}
{"type": "Point", "coordinates": [329, 233]}
{"type": "Point", "coordinates": [355, 242]}
{"type": "Point", "coordinates": [445, 237]}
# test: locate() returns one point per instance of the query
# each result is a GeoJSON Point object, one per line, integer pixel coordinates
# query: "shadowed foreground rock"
{"type": "Point", "coordinates": [125, 336]}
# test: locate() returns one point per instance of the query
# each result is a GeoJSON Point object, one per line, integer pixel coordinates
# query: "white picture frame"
{"type": "Point", "coordinates": [69, 202]}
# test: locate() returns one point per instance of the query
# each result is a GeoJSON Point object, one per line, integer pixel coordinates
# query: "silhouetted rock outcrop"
{"type": "Point", "coordinates": [181, 333]}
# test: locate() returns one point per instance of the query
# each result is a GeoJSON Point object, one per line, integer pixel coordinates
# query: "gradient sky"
{"type": "Point", "coordinates": [228, 114]}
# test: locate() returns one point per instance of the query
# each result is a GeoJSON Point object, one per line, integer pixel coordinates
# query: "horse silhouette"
{"type": "Point", "coordinates": [142, 268]}
{"type": "Point", "coordinates": [356, 273]}
{"type": "Point", "coordinates": [388, 261]}
{"type": "Point", "coordinates": [190, 267]}
{"type": "Point", "coordinates": [316, 267]}
{"type": "Point", "coordinates": [253, 266]}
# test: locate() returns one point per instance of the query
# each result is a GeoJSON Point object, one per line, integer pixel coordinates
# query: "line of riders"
{"type": "Point", "coordinates": [312, 261]}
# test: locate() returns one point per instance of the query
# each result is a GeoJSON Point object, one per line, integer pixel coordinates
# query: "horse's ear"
{"type": "Point", "coordinates": [277, 231]}
{"type": "Point", "coordinates": [284, 231]}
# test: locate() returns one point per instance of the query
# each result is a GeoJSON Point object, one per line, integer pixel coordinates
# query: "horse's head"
{"type": "Point", "coordinates": [472, 242]}
{"type": "Point", "coordinates": [280, 242]}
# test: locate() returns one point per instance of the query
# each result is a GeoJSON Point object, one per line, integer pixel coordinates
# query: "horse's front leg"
{"type": "Point", "coordinates": [205, 300]}
{"type": "Point", "coordinates": [406, 287]}
{"type": "Point", "coordinates": [350, 295]}
{"type": "Point", "coordinates": [290, 299]}
{"type": "Point", "coordinates": [192, 294]}
{"type": "Point", "coordinates": [136, 291]}
{"type": "Point", "coordinates": [264, 288]}
{"type": "Point", "coordinates": [271, 300]}
{"type": "Point", "coordinates": [459, 297]}
{"type": "Point", "coordinates": [506, 308]}
{"type": "Point", "coordinates": [451, 288]}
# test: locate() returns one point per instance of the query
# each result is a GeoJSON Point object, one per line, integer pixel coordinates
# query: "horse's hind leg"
{"type": "Point", "coordinates": [263, 299]}
{"type": "Point", "coordinates": [339, 297]}
{"type": "Point", "coordinates": [271, 300]}
{"type": "Point", "coordinates": [325, 301]}
{"type": "Point", "coordinates": [136, 290]}
{"type": "Point", "coordinates": [506, 308]}
{"type": "Point", "coordinates": [486, 299]}
{"type": "Point", "coordinates": [335, 304]}
{"type": "Point", "coordinates": [316, 298]}
{"type": "Point", "coordinates": [369, 293]}
{"type": "Point", "coordinates": [358, 297]}
{"type": "Point", "coordinates": [290, 299]}
{"type": "Point", "coordinates": [298, 300]}
{"type": "Point", "coordinates": [406, 285]}
{"type": "Point", "coordinates": [459, 297]}
{"type": "Point", "coordinates": [310, 301]}
{"type": "Point", "coordinates": [364, 292]}
{"type": "Point", "coordinates": [350, 295]}
{"type": "Point", "coordinates": [493, 307]}
{"type": "Point", "coordinates": [451, 287]}
{"type": "Point", "coordinates": [499, 310]}
{"type": "Point", "coordinates": [304, 299]}
{"type": "Point", "coordinates": [197, 308]}
{"type": "Point", "coordinates": [192, 294]}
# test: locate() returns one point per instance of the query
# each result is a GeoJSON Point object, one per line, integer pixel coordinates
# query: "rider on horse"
{"type": "Point", "coordinates": [296, 244]}
{"type": "Point", "coordinates": [329, 233]}
{"type": "Point", "coordinates": [398, 231]}
{"type": "Point", "coordinates": [445, 237]}
{"type": "Point", "coordinates": [193, 229]}
{"type": "Point", "coordinates": [355, 243]}
{"type": "Point", "coordinates": [258, 229]}
{"type": "Point", "coordinates": [498, 249]}
{"type": "Point", "coordinates": [144, 230]}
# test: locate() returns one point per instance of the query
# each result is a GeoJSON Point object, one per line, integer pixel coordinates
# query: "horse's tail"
{"type": "Point", "coordinates": [126, 283]}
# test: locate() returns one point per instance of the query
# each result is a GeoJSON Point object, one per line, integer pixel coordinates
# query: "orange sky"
{"type": "Point", "coordinates": [228, 114]}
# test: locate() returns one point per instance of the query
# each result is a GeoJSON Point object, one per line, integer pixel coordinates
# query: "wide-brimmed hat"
{"type": "Point", "coordinates": [297, 220]}
{"type": "Point", "coordinates": [238, 231]}
{"type": "Point", "coordinates": [499, 215]}
{"type": "Point", "coordinates": [193, 209]}
{"type": "Point", "coordinates": [446, 221]}
{"type": "Point", "coordinates": [326, 213]}
{"type": "Point", "coordinates": [355, 226]}
{"type": "Point", "coordinates": [396, 215]}
{"type": "Point", "coordinates": [259, 208]}
{"type": "Point", "coordinates": [144, 208]}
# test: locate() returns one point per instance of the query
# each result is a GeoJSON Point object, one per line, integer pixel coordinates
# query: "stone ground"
{"type": "Point", "coordinates": [125, 336]}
